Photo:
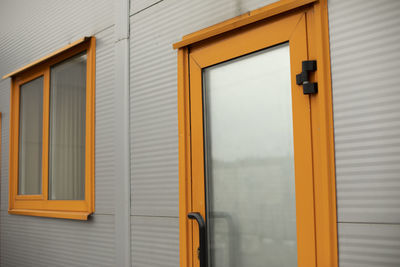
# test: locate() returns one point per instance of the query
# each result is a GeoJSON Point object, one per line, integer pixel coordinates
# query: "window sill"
{"type": "Point", "coordinates": [74, 215]}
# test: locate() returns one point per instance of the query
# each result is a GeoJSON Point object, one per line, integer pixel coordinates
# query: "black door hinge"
{"type": "Point", "coordinates": [303, 77]}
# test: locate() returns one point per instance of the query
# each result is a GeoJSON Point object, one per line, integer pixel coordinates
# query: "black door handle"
{"type": "Point", "coordinates": [202, 250]}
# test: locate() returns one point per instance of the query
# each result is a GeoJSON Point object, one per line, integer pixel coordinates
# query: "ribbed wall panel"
{"type": "Point", "coordinates": [369, 245]}
{"type": "Point", "coordinates": [154, 126]}
{"type": "Point", "coordinates": [33, 241]}
{"type": "Point", "coordinates": [365, 58]}
{"type": "Point", "coordinates": [32, 29]}
{"type": "Point", "coordinates": [139, 5]}
{"type": "Point", "coordinates": [5, 111]}
{"type": "Point", "coordinates": [155, 241]}
{"type": "Point", "coordinates": [105, 130]}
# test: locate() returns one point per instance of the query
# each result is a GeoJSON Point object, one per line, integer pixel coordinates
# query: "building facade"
{"type": "Point", "coordinates": [136, 218]}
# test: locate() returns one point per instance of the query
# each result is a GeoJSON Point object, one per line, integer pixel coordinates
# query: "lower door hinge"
{"type": "Point", "coordinates": [303, 77]}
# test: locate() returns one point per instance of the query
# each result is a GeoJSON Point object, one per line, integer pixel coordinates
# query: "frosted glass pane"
{"type": "Point", "coordinates": [250, 187]}
{"type": "Point", "coordinates": [67, 129]}
{"type": "Point", "coordinates": [30, 138]}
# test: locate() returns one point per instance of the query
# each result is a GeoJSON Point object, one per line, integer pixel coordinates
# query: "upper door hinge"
{"type": "Point", "coordinates": [303, 77]}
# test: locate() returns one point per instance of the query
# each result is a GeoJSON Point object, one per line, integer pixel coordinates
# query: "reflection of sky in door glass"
{"type": "Point", "coordinates": [256, 93]}
{"type": "Point", "coordinates": [250, 185]}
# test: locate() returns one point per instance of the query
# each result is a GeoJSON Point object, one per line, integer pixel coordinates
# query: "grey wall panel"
{"type": "Point", "coordinates": [237, 7]}
{"type": "Point", "coordinates": [365, 58]}
{"type": "Point", "coordinates": [32, 29]}
{"type": "Point", "coordinates": [105, 130]}
{"type": "Point", "coordinates": [365, 61]}
{"type": "Point", "coordinates": [155, 241]}
{"type": "Point", "coordinates": [139, 5]}
{"type": "Point", "coordinates": [154, 126]}
{"type": "Point", "coordinates": [34, 241]}
{"type": "Point", "coordinates": [369, 245]}
{"type": "Point", "coordinates": [5, 110]}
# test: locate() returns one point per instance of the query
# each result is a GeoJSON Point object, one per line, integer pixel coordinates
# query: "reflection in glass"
{"type": "Point", "coordinates": [67, 129]}
{"type": "Point", "coordinates": [30, 137]}
{"type": "Point", "coordinates": [250, 190]}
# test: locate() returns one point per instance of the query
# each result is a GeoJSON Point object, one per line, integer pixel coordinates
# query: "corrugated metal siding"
{"type": "Point", "coordinates": [155, 241]}
{"type": "Point", "coordinates": [365, 57]}
{"type": "Point", "coordinates": [33, 29]}
{"type": "Point", "coordinates": [369, 245]}
{"type": "Point", "coordinates": [154, 126]}
{"type": "Point", "coordinates": [365, 54]}
{"type": "Point", "coordinates": [139, 5]}
{"type": "Point", "coordinates": [32, 241]}
{"type": "Point", "coordinates": [105, 130]}
{"type": "Point", "coordinates": [5, 110]}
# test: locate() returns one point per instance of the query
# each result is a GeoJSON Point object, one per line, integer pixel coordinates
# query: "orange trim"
{"type": "Point", "coordinates": [29, 76]}
{"type": "Point", "coordinates": [53, 214]}
{"type": "Point", "coordinates": [90, 125]}
{"type": "Point", "coordinates": [242, 20]}
{"type": "Point", "coordinates": [27, 197]}
{"type": "Point", "coordinates": [313, 133]}
{"type": "Point", "coordinates": [43, 59]}
{"type": "Point", "coordinates": [196, 195]}
{"type": "Point", "coordinates": [323, 138]}
{"type": "Point", "coordinates": [13, 151]}
{"type": "Point", "coordinates": [185, 185]}
{"type": "Point", "coordinates": [45, 143]}
{"type": "Point", "coordinates": [39, 205]}
{"type": "Point", "coordinates": [52, 205]}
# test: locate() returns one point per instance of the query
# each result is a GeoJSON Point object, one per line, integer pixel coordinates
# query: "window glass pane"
{"type": "Point", "coordinates": [67, 129]}
{"type": "Point", "coordinates": [30, 138]}
{"type": "Point", "coordinates": [251, 208]}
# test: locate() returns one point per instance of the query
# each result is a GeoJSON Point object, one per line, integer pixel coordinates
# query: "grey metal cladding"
{"type": "Point", "coordinates": [105, 130]}
{"type": "Point", "coordinates": [155, 241]}
{"type": "Point", "coordinates": [369, 245]}
{"type": "Point", "coordinates": [365, 56]}
{"type": "Point", "coordinates": [365, 59]}
{"type": "Point", "coordinates": [153, 93]}
{"type": "Point", "coordinates": [33, 29]}
{"type": "Point", "coordinates": [139, 5]}
{"type": "Point", "coordinates": [33, 241]}
{"type": "Point", "coordinates": [5, 111]}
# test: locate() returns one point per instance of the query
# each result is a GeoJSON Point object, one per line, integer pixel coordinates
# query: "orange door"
{"type": "Point", "coordinates": [251, 149]}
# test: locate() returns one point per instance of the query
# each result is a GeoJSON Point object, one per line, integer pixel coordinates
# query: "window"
{"type": "Point", "coordinates": [52, 134]}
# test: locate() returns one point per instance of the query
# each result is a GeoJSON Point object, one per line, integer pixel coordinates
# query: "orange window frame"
{"type": "Point", "coordinates": [40, 205]}
{"type": "Point", "coordinates": [194, 55]}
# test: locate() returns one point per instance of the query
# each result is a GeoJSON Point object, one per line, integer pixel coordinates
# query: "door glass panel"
{"type": "Point", "coordinates": [30, 137]}
{"type": "Point", "coordinates": [250, 183]}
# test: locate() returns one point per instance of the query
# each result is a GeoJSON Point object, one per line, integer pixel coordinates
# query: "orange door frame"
{"type": "Point", "coordinates": [194, 54]}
